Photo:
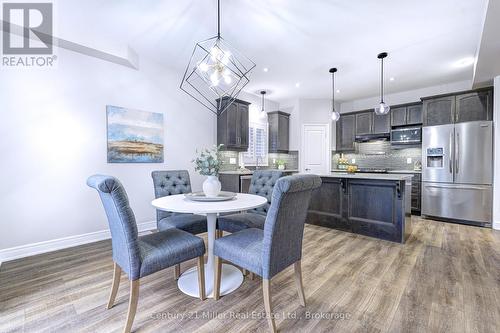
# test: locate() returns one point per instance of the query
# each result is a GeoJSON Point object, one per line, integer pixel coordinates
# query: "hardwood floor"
{"type": "Point", "coordinates": [446, 278]}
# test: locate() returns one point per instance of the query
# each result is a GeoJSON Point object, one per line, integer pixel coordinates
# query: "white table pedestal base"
{"type": "Point", "coordinates": [231, 279]}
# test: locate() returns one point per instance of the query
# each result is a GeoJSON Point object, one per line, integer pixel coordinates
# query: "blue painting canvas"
{"type": "Point", "coordinates": [134, 136]}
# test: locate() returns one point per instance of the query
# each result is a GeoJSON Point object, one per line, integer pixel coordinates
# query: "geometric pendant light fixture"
{"type": "Point", "coordinates": [335, 113]}
{"type": "Point", "coordinates": [216, 71]}
{"type": "Point", "coordinates": [382, 108]}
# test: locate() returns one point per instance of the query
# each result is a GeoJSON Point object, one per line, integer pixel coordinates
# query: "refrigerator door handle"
{"type": "Point", "coordinates": [450, 154]}
{"type": "Point", "coordinates": [457, 151]}
{"type": "Point", "coordinates": [463, 187]}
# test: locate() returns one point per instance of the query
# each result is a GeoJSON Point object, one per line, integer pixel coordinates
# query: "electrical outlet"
{"type": "Point", "coordinates": [232, 160]}
{"type": "Point", "coordinates": [353, 161]}
{"type": "Point", "coordinates": [408, 160]}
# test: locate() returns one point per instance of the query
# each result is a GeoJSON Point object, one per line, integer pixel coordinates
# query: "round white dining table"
{"type": "Point", "coordinates": [231, 277]}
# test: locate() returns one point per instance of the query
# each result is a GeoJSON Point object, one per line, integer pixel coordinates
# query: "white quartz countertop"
{"type": "Point", "coordinates": [250, 172]}
{"type": "Point", "coordinates": [376, 176]}
{"type": "Point", "coordinates": [405, 171]}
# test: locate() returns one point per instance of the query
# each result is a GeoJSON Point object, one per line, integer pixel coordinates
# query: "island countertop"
{"type": "Point", "coordinates": [375, 176]}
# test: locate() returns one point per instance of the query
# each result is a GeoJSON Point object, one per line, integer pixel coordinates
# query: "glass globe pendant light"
{"type": "Point", "coordinates": [335, 113]}
{"type": "Point", "coordinates": [382, 108]}
{"type": "Point", "coordinates": [263, 113]}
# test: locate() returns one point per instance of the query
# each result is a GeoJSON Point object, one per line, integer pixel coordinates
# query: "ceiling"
{"type": "Point", "coordinates": [297, 40]}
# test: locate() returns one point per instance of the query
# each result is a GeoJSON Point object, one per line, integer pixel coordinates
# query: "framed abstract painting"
{"type": "Point", "coordinates": [134, 136]}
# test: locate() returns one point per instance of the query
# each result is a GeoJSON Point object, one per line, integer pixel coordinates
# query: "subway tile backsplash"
{"type": "Point", "coordinates": [382, 155]}
{"type": "Point", "coordinates": [291, 160]}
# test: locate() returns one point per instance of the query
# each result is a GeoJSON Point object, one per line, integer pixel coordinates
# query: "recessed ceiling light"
{"type": "Point", "coordinates": [391, 79]}
{"type": "Point", "coordinates": [265, 69]}
{"type": "Point", "coordinates": [297, 85]}
{"type": "Point", "coordinates": [464, 62]}
{"type": "Point", "coordinates": [338, 91]}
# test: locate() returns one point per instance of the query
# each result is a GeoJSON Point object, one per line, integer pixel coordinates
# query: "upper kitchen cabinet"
{"type": "Point", "coordinates": [457, 108]}
{"type": "Point", "coordinates": [414, 114]}
{"type": "Point", "coordinates": [364, 122]}
{"type": "Point", "coordinates": [381, 123]}
{"type": "Point", "coordinates": [232, 125]}
{"type": "Point", "coordinates": [346, 132]}
{"type": "Point", "coordinates": [439, 111]}
{"type": "Point", "coordinates": [474, 106]}
{"type": "Point", "coordinates": [404, 115]}
{"type": "Point", "coordinates": [279, 131]}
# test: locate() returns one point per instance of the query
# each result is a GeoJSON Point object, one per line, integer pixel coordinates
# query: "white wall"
{"type": "Point", "coordinates": [54, 136]}
{"type": "Point", "coordinates": [496, 164]}
{"type": "Point", "coordinates": [256, 106]}
{"type": "Point", "coordinates": [405, 96]}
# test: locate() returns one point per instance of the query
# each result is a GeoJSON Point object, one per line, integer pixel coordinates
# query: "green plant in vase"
{"type": "Point", "coordinates": [208, 163]}
{"type": "Point", "coordinates": [281, 164]}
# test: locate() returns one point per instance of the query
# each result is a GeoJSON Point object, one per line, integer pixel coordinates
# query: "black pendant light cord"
{"type": "Point", "coordinates": [263, 93]}
{"type": "Point", "coordinates": [333, 70]}
{"type": "Point", "coordinates": [333, 91]}
{"type": "Point", "coordinates": [382, 83]}
{"type": "Point", "coordinates": [218, 18]}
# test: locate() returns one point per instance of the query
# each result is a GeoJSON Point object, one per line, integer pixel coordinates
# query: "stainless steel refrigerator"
{"type": "Point", "coordinates": [457, 172]}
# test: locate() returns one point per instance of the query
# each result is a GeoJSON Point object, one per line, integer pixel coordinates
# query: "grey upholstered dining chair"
{"type": "Point", "coordinates": [267, 252]}
{"type": "Point", "coordinates": [169, 182]}
{"type": "Point", "coordinates": [145, 255]}
{"type": "Point", "coordinates": [262, 183]}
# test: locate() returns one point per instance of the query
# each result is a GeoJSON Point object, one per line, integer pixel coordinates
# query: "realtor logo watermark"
{"type": "Point", "coordinates": [27, 35]}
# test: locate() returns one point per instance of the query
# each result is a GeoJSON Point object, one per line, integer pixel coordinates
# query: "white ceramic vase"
{"type": "Point", "coordinates": [211, 187]}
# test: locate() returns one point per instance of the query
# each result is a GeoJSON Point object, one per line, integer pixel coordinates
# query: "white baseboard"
{"type": "Point", "coordinates": [63, 243]}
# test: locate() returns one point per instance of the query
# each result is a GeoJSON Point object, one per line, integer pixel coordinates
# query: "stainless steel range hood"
{"type": "Point", "coordinates": [373, 137]}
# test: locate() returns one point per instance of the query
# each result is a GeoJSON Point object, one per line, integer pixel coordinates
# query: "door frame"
{"type": "Point", "coordinates": [327, 127]}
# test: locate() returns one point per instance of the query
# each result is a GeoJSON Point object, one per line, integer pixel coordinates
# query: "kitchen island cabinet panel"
{"type": "Point", "coordinates": [329, 213]}
{"type": "Point", "coordinates": [378, 207]}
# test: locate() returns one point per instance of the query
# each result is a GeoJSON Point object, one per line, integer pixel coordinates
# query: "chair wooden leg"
{"type": "Point", "coordinates": [217, 276]}
{"type": "Point", "coordinates": [117, 271]}
{"type": "Point", "coordinates": [132, 305]}
{"type": "Point", "coordinates": [177, 271]}
{"type": "Point", "coordinates": [201, 277]}
{"type": "Point", "coordinates": [266, 288]}
{"type": "Point", "coordinates": [298, 282]}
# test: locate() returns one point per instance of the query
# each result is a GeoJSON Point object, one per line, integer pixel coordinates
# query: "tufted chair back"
{"type": "Point", "coordinates": [121, 222]}
{"type": "Point", "coordinates": [168, 182]}
{"type": "Point", "coordinates": [284, 227]}
{"type": "Point", "coordinates": [262, 184]}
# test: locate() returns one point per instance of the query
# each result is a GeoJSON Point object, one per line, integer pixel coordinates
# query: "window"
{"type": "Point", "coordinates": [257, 145]}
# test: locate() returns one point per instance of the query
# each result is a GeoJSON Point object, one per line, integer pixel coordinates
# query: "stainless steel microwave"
{"type": "Point", "coordinates": [406, 136]}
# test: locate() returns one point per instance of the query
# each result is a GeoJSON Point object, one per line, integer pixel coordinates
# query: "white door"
{"type": "Point", "coordinates": [315, 148]}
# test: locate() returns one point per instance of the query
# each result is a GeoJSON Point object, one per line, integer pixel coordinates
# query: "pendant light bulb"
{"type": "Point", "coordinates": [382, 108]}
{"type": "Point", "coordinates": [263, 113]}
{"type": "Point", "coordinates": [335, 113]}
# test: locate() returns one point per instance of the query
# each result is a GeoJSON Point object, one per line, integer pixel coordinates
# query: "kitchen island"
{"type": "Point", "coordinates": [376, 205]}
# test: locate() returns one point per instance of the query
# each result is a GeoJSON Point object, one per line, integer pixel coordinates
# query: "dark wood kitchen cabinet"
{"type": "Point", "coordinates": [381, 123]}
{"type": "Point", "coordinates": [474, 106]}
{"type": "Point", "coordinates": [364, 123]}
{"type": "Point", "coordinates": [232, 125]}
{"type": "Point", "coordinates": [460, 107]}
{"type": "Point", "coordinates": [370, 207]}
{"type": "Point", "coordinates": [279, 131]}
{"type": "Point", "coordinates": [346, 132]}
{"type": "Point", "coordinates": [404, 115]}
{"type": "Point", "coordinates": [416, 194]}
{"type": "Point", "coordinates": [439, 111]}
